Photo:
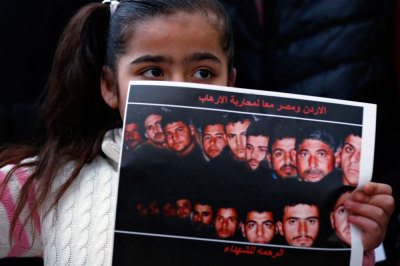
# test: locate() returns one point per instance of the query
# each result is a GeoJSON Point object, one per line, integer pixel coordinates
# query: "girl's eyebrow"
{"type": "Point", "coordinates": [162, 59]}
{"type": "Point", "coordinates": [150, 58]}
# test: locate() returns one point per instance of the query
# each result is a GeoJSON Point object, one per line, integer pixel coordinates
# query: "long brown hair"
{"type": "Point", "coordinates": [74, 112]}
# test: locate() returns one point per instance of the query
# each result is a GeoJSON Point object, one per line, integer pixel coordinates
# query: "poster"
{"type": "Point", "coordinates": [214, 175]}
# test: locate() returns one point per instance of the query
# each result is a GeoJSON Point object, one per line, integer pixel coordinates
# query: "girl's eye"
{"type": "Point", "coordinates": [152, 73]}
{"type": "Point", "coordinates": [203, 74]}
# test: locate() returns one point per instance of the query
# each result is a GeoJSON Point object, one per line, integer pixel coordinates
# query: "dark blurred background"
{"type": "Point", "coordinates": [29, 33]}
{"type": "Point", "coordinates": [330, 48]}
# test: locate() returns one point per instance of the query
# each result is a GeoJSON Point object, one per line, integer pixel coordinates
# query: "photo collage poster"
{"type": "Point", "coordinates": [214, 175]}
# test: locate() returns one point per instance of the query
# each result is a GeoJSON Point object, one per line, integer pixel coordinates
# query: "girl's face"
{"type": "Point", "coordinates": [182, 47]}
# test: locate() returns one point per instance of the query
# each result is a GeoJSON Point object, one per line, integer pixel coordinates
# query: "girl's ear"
{"type": "Point", "coordinates": [108, 88]}
{"type": "Point", "coordinates": [232, 80]}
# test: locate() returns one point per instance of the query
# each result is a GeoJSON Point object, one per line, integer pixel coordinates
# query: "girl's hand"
{"type": "Point", "coordinates": [370, 209]}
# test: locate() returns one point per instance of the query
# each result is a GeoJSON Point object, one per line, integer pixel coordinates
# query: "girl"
{"type": "Point", "coordinates": [59, 199]}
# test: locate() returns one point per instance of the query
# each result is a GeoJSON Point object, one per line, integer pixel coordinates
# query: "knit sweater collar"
{"type": "Point", "coordinates": [111, 144]}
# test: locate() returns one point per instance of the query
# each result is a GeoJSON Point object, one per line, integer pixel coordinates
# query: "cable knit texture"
{"type": "Point", "coordinates": [80, 231]}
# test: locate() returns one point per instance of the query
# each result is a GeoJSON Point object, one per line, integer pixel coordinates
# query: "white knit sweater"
{"type": "Point", "coordinates": [81, 230]}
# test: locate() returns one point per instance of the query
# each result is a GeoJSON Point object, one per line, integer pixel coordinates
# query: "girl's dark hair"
{"type": "Point", "coordinates": [122, 23]}
{"type": "Point", "coordinates": [74, 112]}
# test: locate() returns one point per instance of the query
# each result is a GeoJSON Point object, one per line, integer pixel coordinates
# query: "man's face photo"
{"type": "Point", "coordinates": [214, 140]}
{"type": "Point", "coordinates": [202, 214]}
{"type": "Point", "coordinates": [256, 150]}
{"type": "Point", "coordinates": [169, 210]}
{"type": "Point", "coordinates": [300, 225]}
{"type": "Point", "coordinates": [179, 136]}
{"type": "Point", "coordinates": [132, 135]}
{"type": "Point", "coordinates": [284, 157]}
{"type": "Point", "coordinates": [154, 132]}
{"type": "Point", "coordinates": [236, 136]}
{"type": "Point", "coordinates": [315, 159]}
{"type": "Point", "coordinates": [183, 208]}
{"type": "Point", "coordinates": [226, 222]}
{"type": "Point", "coordinates": [350, 160]}
{"type": "Point", "coordinates": [340, 219]}
{"type": "Point", "coordinates": [259, 227]}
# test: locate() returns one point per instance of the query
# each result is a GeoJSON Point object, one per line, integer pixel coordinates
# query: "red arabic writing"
{"type": "Point", "coordinates": [253, 250]}
{"type": "Point", "coordinates": [318, 110]}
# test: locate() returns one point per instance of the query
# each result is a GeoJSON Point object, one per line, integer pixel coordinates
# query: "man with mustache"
{"type": "Point", "coordinates": [202, 215]}
{"type": "Point", "coordinates": [154, 132]}
{"type": "Point", "coordinates": [300, 224]}
{"type": "Point", "coordinates": [316, 155]}
{"type": "Point", "coordinates": [283, 151]}
{"type": "Point", "coordinates": [132, 136]}
{"type": "Point", "coordinates": [203, 218]}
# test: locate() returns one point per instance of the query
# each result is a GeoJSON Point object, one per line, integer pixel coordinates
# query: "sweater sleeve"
{"type": "Point", "coordinates": [26, 238]}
